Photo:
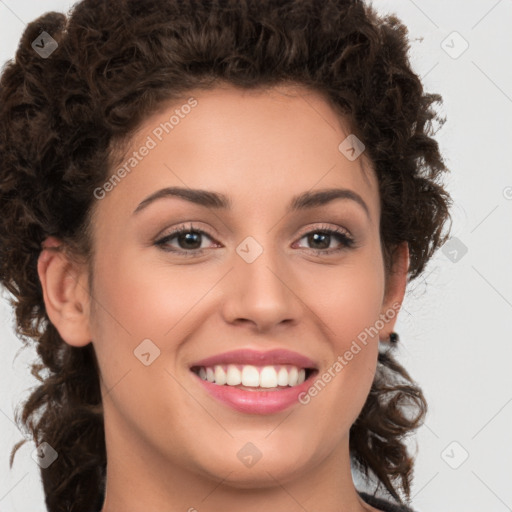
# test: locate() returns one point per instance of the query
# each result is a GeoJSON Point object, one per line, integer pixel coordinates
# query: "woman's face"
{"type": "Point", "coordinates": [257, 274]}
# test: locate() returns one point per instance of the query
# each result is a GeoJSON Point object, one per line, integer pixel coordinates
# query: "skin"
{"type": "Point", "coordinates": [166, 437]}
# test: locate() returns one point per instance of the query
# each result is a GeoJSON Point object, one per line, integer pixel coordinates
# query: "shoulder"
{"type": "Point", "coordinates": [383, 505]}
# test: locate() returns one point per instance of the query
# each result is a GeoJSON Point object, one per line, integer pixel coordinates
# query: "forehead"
{"type": "Point", "coordinates": [273, 143]}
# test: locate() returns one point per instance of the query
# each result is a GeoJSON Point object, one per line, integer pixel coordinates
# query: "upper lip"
{"type": "Point", "coordinates": [258, 358]}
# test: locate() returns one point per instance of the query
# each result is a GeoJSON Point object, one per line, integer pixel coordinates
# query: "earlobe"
{"type": "Point", "coordinates": [395, 289]}
{"type": "Point", "coordinates": [65, 293]}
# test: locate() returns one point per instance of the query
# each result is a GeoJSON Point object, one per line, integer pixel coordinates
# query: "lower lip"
{"type": "Point", "coordinates": [256, 402]}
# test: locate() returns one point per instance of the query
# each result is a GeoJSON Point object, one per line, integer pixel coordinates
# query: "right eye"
{"type": "Point", "coordinates": [188, 238]}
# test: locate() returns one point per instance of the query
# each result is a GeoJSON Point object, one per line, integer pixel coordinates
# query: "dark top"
{"type": "Point", "coordinates": [382, 504]}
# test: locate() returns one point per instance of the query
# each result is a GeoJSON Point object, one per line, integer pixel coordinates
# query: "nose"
{"type": "Point", "coordinates": [262, 293]}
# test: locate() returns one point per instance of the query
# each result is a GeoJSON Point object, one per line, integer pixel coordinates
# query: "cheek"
{"type": "Point", "coordinates": [348, 298]}
{"type": "Point", "coordinates": [146, 300]}
{"type": "Point", "coordinates": [349, 311]}
{"type": "Point", "coordinates": [136, 301]}
{"type": "Point", "coordinates": [349, 303]}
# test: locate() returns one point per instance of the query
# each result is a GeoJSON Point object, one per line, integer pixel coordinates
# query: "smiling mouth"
{"type": "Point", "coordinates": [254, 378]}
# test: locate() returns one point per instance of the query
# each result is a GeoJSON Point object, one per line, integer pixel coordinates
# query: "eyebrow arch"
{"type": "Point", "coordinates": [310, 199]}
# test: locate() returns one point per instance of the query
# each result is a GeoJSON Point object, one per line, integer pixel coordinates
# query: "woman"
{"type": "Point", "coordinates": [210, 213]}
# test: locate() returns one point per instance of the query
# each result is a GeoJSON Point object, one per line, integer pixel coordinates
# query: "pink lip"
{"type": "Point", "coordinates": [257, 402]}
{"type": "Point", "coordinates": [257, 358]}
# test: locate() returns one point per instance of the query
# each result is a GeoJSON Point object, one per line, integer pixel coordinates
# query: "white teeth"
{"type": "Point", "coordinates": [268, 377]}
{"type": "Point", "coordinates": [282, 377]}
{"type": "Point", "coordinates": [234, 377]}
{"type": "Point", "coordinates": [250, 376]}
{"type": "Point", "coordinates": [253, 376]}
{"type": "Point", "coordinates": [220, 375]}
{"type": "Point", "coordinates": [293, 376]}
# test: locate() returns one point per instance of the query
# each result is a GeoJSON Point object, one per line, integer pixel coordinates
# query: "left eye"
{"type": "Point", "coordinates": [323, 237]}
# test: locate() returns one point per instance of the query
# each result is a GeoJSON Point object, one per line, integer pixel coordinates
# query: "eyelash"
{"type": "Point", "coordinates": [346, 241]}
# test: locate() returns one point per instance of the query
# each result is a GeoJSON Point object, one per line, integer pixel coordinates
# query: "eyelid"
{"type": "Point", "coordinates": [189, 225]}
{"type": "Point", "coordinates": [326, 227]}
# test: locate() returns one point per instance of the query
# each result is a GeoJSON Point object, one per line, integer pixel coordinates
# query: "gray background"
{"type": "Point", "coordinates": [455, 323]}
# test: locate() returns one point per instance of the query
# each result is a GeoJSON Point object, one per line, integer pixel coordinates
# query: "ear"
{"type": "Point", "coordinates": [394, 290]}
{"type": "Point", "coordinates": [65, 293]}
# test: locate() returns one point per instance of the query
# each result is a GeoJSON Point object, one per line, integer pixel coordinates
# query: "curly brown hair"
{"type": "Point", "coordinates": [62, 117]}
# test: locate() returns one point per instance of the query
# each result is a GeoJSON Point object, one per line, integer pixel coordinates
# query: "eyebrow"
{"type": "Point", "coordinates": [216, 200]}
